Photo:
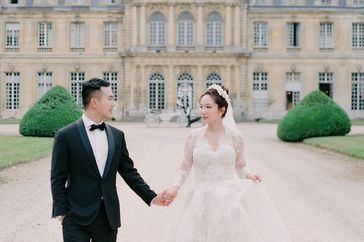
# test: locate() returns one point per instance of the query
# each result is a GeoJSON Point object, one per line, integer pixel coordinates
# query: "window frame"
{"type": "Point", "coordinates": [12, 91]}
{"type": "Point", "coordinates": [44, 83]}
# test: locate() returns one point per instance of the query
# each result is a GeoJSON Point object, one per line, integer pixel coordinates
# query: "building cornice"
{"type": "Point", "coordinates": [21, 9]}
{"type": "Point", "coordinates": [303, 9]}
{"type": "Point", "coordinates": [190, 54]}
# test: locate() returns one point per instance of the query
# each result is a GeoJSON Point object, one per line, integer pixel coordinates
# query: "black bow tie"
{"type": "Point", "coordinates": [97, 126]}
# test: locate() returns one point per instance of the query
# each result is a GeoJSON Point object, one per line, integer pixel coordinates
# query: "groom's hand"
{"type": "Point", "coordinates": [60, 218]}
{"type": "Point", "coordinates": [159, 201]}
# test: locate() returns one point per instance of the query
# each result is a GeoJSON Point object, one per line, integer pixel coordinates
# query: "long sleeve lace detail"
{"type": "Point", "coordinates": [241, 167]}
{"type": "Point", "coordinates": [186, 165]}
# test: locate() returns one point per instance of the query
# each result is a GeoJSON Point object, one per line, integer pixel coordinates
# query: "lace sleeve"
{"type": "Point", "coordinates": [241, 165]}
{"type": "Point", "coordinates": [186, 165]}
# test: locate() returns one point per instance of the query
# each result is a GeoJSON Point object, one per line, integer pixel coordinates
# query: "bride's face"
{"type": "Point", "coordinates": [209, 111]}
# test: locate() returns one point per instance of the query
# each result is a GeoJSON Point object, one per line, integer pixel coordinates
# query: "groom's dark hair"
{"type": "Point", "coordinates": [89, 87]}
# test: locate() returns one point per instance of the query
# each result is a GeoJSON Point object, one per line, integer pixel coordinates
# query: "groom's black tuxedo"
{"type": "Point", "coordinates": [77, 186]}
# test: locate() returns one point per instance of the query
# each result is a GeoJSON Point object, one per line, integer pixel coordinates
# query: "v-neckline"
{"type": "Point", "coordinates": [209, 145]}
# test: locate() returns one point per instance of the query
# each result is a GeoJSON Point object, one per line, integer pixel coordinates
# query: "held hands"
{"type": "Point", "coordinates": [170, 194]}
{"type": "Point", "coordinates": [166, 197]}
{"type": "Point", "coordinates": [253, 177]}
{"type": "Point", "coordinates": [159, 201]}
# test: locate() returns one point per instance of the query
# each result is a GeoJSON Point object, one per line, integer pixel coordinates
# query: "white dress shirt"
{"type": "Point", "coordinates": [98, 141]}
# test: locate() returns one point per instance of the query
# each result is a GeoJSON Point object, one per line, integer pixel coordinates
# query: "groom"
{"type": "Point", "coordinates": [87, 155]}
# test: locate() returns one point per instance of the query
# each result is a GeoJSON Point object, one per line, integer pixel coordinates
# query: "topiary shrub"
{"type": "Point", "coordinates": [53, 111]}
{"type": "Point", "coordinates": [316, 115]}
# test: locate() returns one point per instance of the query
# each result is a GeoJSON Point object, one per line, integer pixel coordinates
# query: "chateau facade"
{"type": "Point", "coordinates": [161, 53]}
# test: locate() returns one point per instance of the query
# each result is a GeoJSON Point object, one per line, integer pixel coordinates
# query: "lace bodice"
{"type": "Point", "coordinates": [213, 164]}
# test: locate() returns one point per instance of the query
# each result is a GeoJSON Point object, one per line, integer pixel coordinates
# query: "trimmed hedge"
{"type": "Point", "coordinates": [53, 111]}
{"type": "Point", "coordinates": [316, 115]}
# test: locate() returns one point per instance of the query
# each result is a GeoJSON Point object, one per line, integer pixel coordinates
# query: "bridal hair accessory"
{"type": "Point", "coordinates": [228, 120]}
{"type": "Point", "coordinates": [221, 92]}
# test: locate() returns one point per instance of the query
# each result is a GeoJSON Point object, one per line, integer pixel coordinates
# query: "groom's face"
{"type": "Point", "coordinates": [105, 103]}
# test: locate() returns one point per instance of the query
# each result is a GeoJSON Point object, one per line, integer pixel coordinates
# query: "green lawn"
{"type": "Point", "coordinates": [357, 121]}
{"type": "Point", "coordinates": [9, 121]}
{"type": "Point", "coordinates": [352, 145]}
{"type": "Point", "coordinates": [17, 149]}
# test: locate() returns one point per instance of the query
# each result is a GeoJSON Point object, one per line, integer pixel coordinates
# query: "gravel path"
{"type": "Point", "coordinates": [319, 194]}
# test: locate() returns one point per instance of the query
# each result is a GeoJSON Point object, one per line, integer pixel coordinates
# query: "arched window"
{"type": "Point", "coordinates": [214, 30]}
{"type": "Point", "coordinates": [185, 92]}
{"type": "Point", "coordinates": [157, 29]}
{"type": "Point", "coordinates": [156, 91]}
{"type": "Point", "coordinates": [213, 78]}
{"type": "Point", "coordinates": [186, 30]}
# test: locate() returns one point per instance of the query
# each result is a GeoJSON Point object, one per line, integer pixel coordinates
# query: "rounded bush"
{"type": "Point", "coordinates": [316, 115]}
{"type": "Point", "coordinates": [53, 111]}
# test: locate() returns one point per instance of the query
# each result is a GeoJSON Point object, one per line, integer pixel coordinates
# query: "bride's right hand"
{"type": "Point", "coordinates": [253, 177]}
{"type": "Point", "coordinates": [170, 194]}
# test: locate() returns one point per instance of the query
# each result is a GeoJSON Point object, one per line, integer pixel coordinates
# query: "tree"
{"type": "Point", "coordinates": [53, 111]}
{"type": "Point", "coordinates": [316, 115]}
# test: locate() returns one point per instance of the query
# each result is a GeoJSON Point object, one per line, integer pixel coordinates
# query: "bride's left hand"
{"type": "Point", "coordinates": [253, 177]}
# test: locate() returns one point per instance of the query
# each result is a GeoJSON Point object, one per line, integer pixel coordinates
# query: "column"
{"type": "Point", "coordinates": [170, 88]}
{"type": "Point", "coordinates": [142, 32]}
{"type": "Point", "coordinates": [228, 82]}
{"type": "Point", "coordinates": [132, 87]}
{"type": "Point", "coordinates": [228, 26]}
{"type": "Point", "coordinates": [171, 25]}
{"type": "Point", "coordinates": [245, 27]}
{"type": "Point", "coordinates": [237, 86]}
{"type": "Point", "coordinates": [200, 36]}
{"type": "Point", "coordinates": [237, 26]}
{"type": "Point", "coordinates": [143, 87]}
{"type": "Point", "coordinates": [134, 26]}
{"type": "Point", "coordinates": [200, 82]}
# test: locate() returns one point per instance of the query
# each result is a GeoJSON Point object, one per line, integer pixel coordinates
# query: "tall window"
{"type": "Point", "coordinates": [112, 77]}
{"type": "Point", "coordinates": [214, 30]}
{"type": "Point", "coordinates": [213, 78]}
{"type": "Point", "coordinates": [12, 83]}
{"type": "Point", "coordinates": [293, 38]}
{"type": "Point", "coordinates": [77, 78]}
{"type": "Point", "coordinates": [325, 82]}
{"type": "Point", "coordinates": [157, 30]}
{"type": "Point", "coordinates": [110, 35]}
{"type": "Point", "coordinates": [78, 37]}
{"type": "Point", "coordinates": [186, 30]}
{"type": "Point", "coordinates": [358, 2]}
{"type": "Point", "coordinates": [45, 35]}
{"type": "Point", "coordinates": [185, 91]}
{"type": "Point", "coordinates": [156, 91]}
{"type": "Point", "coordinates": [326, 2]}
{"type": "Point", "coordinates": [260, 35]}
{"type": "Point", "coordinates": [358, 35]}
{"type": "Point", "coordinates": [357, 91]}
{"type": "Point", "coordinates": [44, 83]}
{"type": "Point", "coordinates": [260, 82]}
{"type": "Point", "coordinates": [12, 35]}
{"type": "Point", "coordinates": [326, 36]}
{"type": "Point", "coordinates": [293, 87]}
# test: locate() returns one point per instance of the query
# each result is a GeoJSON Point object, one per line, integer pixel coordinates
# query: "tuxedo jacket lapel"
{"type": "Point", "coordinates": [110, 154]}
{"type": "Point", "coordinates": [86, 144]}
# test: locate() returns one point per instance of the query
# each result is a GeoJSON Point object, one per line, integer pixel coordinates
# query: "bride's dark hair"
{"type": "Point", "coordinates": [219, 100]}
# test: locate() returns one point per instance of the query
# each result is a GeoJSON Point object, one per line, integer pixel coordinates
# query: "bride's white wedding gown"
{"type": "Point", "coordinates": [223, 206]}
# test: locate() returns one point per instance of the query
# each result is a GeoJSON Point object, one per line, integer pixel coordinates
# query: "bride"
{"type": "Point", "coordinates": [227, 202]}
